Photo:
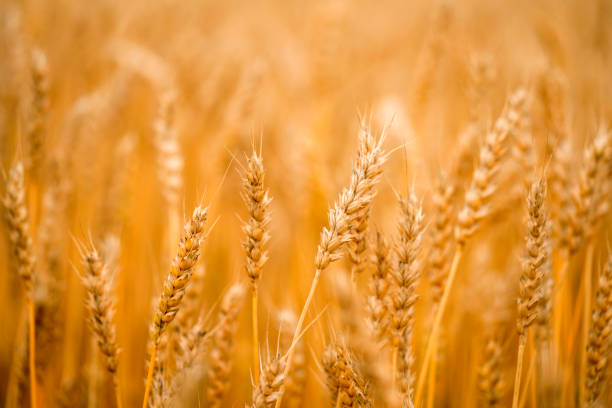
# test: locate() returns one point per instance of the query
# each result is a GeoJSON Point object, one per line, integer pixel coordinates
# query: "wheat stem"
{"type": "Point", "coordinates": [298, 328]}
{"type": "Point", "coordinates": [255, 336]}
{"type": "Point", "coordinates": [149, 375]}
{"type": "Point", "coordinates": [519, 368]}
{"type": "Point", "coordinates": [586, 317]}
{"type": "Point", "coordinates": [435, 330]}
{"type": "Point", "coordinates": [32, 357]}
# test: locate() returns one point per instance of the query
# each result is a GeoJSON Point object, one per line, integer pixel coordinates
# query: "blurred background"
{"type": "Point", "coordinates": [293, 80]}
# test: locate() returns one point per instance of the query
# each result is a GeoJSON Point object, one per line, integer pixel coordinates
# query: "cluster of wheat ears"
{"type": "Point", "coordinates": [166, 240]}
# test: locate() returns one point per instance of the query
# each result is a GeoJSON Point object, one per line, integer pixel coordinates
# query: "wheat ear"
{"type": "Point", "coordinates": [100, 306]}
{"type": "Point", "coordinates": [21, 243]}
{"type": "Point", "coordinates": [353, 202]}
{"type": "Point", "coordinates": [537, 258]}
{"type": "Point", "coordinates": [272, 378]}
{"type": "Point", "coordinates": [402, 292]}
{"type": "Point", "coordinates": [174, 287]}
{"type": "Point", "coordinates": [257, 201]}
{"type": "Point", "coordinates": [474, 211]}
{"type": "Point", "coordinates": [348, 388]}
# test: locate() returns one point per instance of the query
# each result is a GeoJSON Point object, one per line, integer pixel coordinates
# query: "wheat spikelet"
{"type": "Point", "coordinates": [482, 186]}
{"type": "Point", "coordinates": [345, 383]}
{"type": "Point", "coordinates": [598, 346]}
{"type": "Point", "coordinates": [490, 376]}
{"type": "Point", "coordinates": [220, 364]}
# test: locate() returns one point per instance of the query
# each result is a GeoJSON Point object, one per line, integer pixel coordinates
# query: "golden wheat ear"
{"type": "Point", "coordinates": [21, 244]}
{"type": "Point", "coordinates": [175, 285]}
{"type": "Point", "coordinates": [100, 307]}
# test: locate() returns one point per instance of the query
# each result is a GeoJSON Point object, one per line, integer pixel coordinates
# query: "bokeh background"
{"type": "Point", "coordinates": [294, 80]}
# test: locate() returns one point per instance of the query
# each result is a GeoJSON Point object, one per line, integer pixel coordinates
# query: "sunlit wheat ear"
{"type": "Point", "coordinates": [173, 288]}
{"type": "Point", "coordinates": [344, 381]}
{"type": "Point", "coordinates": [402, 293]}
{"type": "Point", "coordinates": [17, 219]}
{"type": "Point", "coordinates": [271, 381]}
{"type": "Point", "coordinates": [36, 125]}
{"type": "Point", "coordinates": [352, 203]}
{"type": "Point", "coordinates": [354, 200]}
{"type": "Point", "coordinates": [537, 258]}
{"type": "Point", "coordinates": [100, 307]}
{"type": "Point", "coordinates": [598, 346]}
{"type": "Point", "coordinates": [588, 191]}
{"type": "Point", "coordinates": [221, 350]}
{"type": "Point", "coordinates": [491, 382]}
{"type": "Point", "coordinates": [257, 200]}
{"type": "Point", "coordinates": [482, 187]}
{"type": "Point", "coordinates": [21, 246]}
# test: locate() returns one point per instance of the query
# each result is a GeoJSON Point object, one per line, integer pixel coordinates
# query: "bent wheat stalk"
{"type": "Point", "coordinates": [173, 288]}
{"type": "Point", "coordinates": [532, 275]}
{"type": "Point", "coordinates": [474, 211]}
{"type": "Point", "coordinates": [353, 202]}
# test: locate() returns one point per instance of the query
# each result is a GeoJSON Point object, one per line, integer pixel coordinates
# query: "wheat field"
{"type": "Point", "coordinates": [340, 203]}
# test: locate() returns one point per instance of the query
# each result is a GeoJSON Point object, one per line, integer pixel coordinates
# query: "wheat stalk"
{"type": "Point", "coordinates": [21, 243]}
{"type": "Point", "coordinates": [353, 202]}
{"type": "Point", "coordinates": [100, 305]}
{"type": "Point", "coordinates": [257, 200]}
{"type": "Point", "coordinates": [402, 291]}
{"type": "Point", "coordinates": [474, 211]}
{"type": "Point", "coordinates": [175, 284]}
{"type": "Point", "coordinates": [533, 272]}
